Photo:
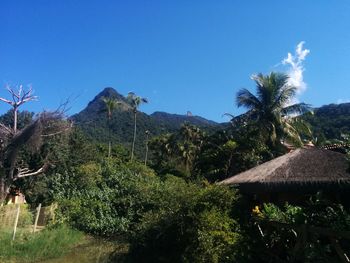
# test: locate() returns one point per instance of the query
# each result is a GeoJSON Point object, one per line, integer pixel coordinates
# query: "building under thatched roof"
{"type": "Point", "coordinates": [301, 170]}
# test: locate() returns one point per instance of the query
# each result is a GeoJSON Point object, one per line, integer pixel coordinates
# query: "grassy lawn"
{"type": "Point", "coordinates": [28, 247]}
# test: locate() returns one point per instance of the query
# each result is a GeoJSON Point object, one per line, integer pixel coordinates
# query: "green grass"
{"type": "Point", "coordinates": [28, 247]}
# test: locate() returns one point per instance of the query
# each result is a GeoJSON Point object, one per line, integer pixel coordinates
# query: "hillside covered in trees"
{"type": "Point", "coordinates": [330, 122]}
{"type": "Point", "coordinates": [93, 121]}
{"type": "Point", "coordinates": [327, 122]}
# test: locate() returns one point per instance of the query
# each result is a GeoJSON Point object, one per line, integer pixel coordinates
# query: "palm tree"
{"type": "Point", "coordinates": [189, 144]}
{"type": "Point", "coordinates": [135, 102]}
{"type": "Point", "coordinates": [111, 104]}
{"type": "Point", "coordinates": [147, 141]}
{"type": "Point", "coordinates": [271, 108]}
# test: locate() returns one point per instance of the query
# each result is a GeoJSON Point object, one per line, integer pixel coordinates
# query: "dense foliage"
{"type": "Point", "coordinates": [330, 122]}
{"type": "Point", "coordinates": [300, 223]}
{"type": "Point", "coordinates": [163, 217]}
{"type": "Point", "coordinates": [172, 210]}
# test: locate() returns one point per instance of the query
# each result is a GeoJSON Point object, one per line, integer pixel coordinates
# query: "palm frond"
{"type": "Point", "coordinates": [228, 115]}
{"type": "Point", "coordinates": [260, 82]}
{"type": "Point", "coordinates": [270, 87]}
{"type": "Point", "coordinates": [246, 99]}
{"type": "Point", "coordinates": [135, 100]}
{"type": "Point", "coordinates": [301, 126]}
{"type": "Point", "coordinates": [291, 135]}
{"type": "Point", "coordinates": [286, 96]}
{"type": "Point", "coordinates": [299, 108]}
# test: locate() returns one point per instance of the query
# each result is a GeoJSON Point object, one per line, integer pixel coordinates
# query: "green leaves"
{"type": "Point", "coordinates": [269, 109]}
{"type": "Point", "coordinates": [111, 104]}
{"type": "Point", "coordinates": [192, 224]}
{"type": "Point", "coordinates": [135, 101]}
{"type": "Point", "coordinates": [180, 149]}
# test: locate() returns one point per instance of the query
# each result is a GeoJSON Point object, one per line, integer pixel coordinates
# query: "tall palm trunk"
{"type": "Point", "coordinates": [146, 154]}
{"type": "Point", "coordinates": [134, 139]}
{"type": "Point", "coordinates": [109, 137]}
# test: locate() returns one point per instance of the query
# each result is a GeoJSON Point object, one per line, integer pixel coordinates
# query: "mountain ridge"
{"type": "Point", "coordinates": [328, 122]}
{"type": "Point", "coordinates": [93, 121]}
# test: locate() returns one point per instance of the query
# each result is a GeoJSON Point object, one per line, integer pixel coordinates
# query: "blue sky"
{"type": "Point", "coordinates": [185, 55]}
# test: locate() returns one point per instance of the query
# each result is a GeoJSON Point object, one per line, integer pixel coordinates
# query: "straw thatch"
{"type": "Point", "coordinates": [302, 167]}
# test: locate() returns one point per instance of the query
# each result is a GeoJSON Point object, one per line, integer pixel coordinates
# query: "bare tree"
{"type": "Point", "coordinates": [19, 97]}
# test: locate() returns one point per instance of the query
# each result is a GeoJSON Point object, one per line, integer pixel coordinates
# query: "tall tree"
{"type": "Point", "coordinates": [34, 136]}
{"type": "Point", "coordinates": [189, 144]}
{"type": "Point", "coordinates": [135, 102]}
{"type": "Point", "coordinates": [271, 107]}
{"type": "Point", "coordinates": [111, 104]}
{"type": "Point", "coordinates": [177, 153]}
{"type": "Point", "coordinates": [146, 144]}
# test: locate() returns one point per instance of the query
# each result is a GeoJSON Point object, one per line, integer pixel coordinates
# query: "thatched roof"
{"type": "Point", "coordinates": [305, 166]}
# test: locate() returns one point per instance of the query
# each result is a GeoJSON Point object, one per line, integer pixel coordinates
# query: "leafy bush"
{"type": "Point", "coordinates": [291, 214]}
{"type": "Point", "coordinates": [167, 219]}
{"type": "Point", "coordinates": [190, 225]}
{"type": "Point", "coordinates": [104, 198]}
{"type": "Point", "coordinates": [318, 212]}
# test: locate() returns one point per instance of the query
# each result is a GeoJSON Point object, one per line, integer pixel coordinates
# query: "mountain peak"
{"type": "Point", "coordinates": [96, 105]}
{"type": "Point", "coordinates": [109, 92]}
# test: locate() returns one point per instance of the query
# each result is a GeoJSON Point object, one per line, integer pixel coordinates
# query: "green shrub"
{"type": "Point", "coordinates": [192, 225]}
{"type": "Point", "coordinates": [167, 219]}
{"type": "Point", "coordinates": [318, 212]}
{"type": "Point", "coordinates": [109, 205]}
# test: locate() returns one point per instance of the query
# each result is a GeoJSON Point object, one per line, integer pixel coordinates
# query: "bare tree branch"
{"type": "Point", "coordinates": [25, 172]}
{"type": "Point", "coordinates": [6, 101]}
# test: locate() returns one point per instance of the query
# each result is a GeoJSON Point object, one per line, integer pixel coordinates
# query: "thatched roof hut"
{"type": "Point", "coordinates": [300, 170]}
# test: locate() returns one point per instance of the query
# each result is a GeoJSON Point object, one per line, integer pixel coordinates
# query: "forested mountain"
{"type": "Point", "coordinates": [176, 120]}
{"type": "Point", "coordinates": [330, 121]}
{"type": "Point", "coordinates": [93, 121]}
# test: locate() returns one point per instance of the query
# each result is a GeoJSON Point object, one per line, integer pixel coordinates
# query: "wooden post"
{"type": "Point", "coordinates": [16, 222]}
{"type": "Point", "coordinates": [37, 217]}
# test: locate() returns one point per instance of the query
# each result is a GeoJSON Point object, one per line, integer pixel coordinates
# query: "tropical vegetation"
{"type": "Point", "coordinates": [272, 109]}
{"type": "Point", "coordinates": [135, 102]}
{"type": "Point", "coordinates": [163, 200]}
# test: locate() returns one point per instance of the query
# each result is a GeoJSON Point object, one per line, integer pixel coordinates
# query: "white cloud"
{"type": "Point", "coordinates": [296, 68]}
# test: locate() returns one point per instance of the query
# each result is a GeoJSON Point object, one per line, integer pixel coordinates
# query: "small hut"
{"type": "Point", "coordinates": [295, 175]}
